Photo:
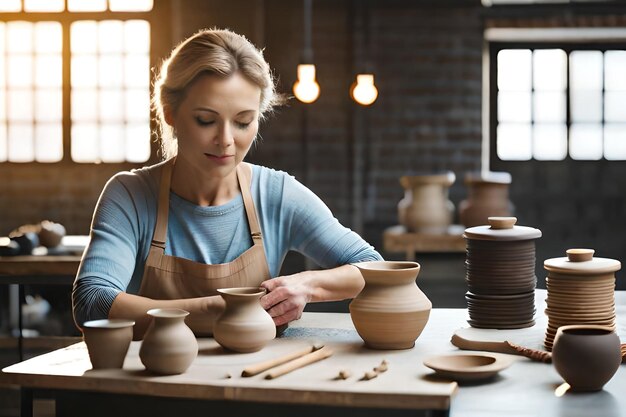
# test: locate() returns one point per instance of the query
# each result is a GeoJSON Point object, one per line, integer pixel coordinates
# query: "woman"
{"type": "Point", "coordinates": [169, 235]}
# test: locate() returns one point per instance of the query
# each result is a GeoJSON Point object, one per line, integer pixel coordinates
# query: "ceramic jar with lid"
{"type": "Point", "coordinates": [580, 291]}
{"type": "Point", "coordinates": [488, 196]}
{"type": "Point", "coordinates": [500, 273]}
{"type": "Point", "coordinates": [425, 206]}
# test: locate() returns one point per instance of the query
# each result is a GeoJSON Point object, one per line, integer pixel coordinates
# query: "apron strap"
{"type": "Point", "coordinates": [163, 207]}
{"type": "Point", "coordinates": [244, 174]}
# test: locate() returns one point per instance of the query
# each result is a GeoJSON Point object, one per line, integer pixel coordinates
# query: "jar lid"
{"type": "Point", "coordinates": [502, 228]}
{"type": "Point", "coordinates": [581, 261]}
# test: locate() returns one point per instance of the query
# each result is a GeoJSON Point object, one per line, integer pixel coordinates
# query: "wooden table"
{"type": "Point", "coordinates": [398, 239]}
{"type": "Point", "coordinates": [525, 389]}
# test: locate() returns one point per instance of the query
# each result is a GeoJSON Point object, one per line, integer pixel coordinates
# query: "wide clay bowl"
{"type": "Point", "coordinates": [467, 367]}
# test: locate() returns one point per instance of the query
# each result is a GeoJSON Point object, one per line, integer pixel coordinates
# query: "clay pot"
{"type": "Point", "coordinates": [51, 234]}
{"type": "Point", "coordinates": [391, 311]}
{"type": "Point", "coordinates": [107, 342]}
{"type": "Point", "coordinates": [425, 206]}
{"type": "Point", "coordinates": [244, 326]}
{"type": "Point", "coordinates": [169, 346]}
{"type": "Point", "coordinates": [586, 356]}
{"type": "Point", "coordinates": [488, 196]}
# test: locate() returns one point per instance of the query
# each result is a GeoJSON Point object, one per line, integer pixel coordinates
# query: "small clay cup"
{"type": "Point", "coordinates": [586, 356]}
{"type": "Point", "coordinates": [107, 342]}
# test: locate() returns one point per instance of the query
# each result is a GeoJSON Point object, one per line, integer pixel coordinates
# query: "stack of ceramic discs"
{"type": "Point", "coordinates": [500, 274]}
{"type": "Point", "coordinates": [580, 291]}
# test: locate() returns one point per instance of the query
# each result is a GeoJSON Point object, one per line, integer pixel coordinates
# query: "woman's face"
{"type": "Point", "coordinates": [217, 122]}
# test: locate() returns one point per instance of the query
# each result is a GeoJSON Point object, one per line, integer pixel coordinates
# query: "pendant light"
{"type": "Point", "coordinates": [363, 90]}
{"type": "Point", "coordinates": [306, 89]}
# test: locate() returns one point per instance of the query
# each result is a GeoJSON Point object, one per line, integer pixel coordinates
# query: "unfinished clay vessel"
{"type": "Point", "coordinates": [244, 326]}
{"type": "Point", "coordinates": [391, 311]}
{"type": "Point", "coordinates": [107, 342]}
{"type": "Point", "coordinates": [169, 346]}
{"type": "Point", "coordinates": [425, 207]}
{"type": "Point", "coordinates": [488, 196]}
{"type": "Point", "coordinates": [586, 356]}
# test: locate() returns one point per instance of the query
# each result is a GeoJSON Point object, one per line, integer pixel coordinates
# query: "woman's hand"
{"type": "Point", "coordinates": [286, 297]}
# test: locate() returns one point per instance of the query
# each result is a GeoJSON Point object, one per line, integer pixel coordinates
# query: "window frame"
{"type": "Point", "coordinates": [66, 18]}
{"type": "Point", "coordinates": [567, 39]}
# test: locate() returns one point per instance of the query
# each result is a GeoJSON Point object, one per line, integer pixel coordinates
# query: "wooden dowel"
{"type": "Point", "coordinates": [264, 366]}
{"type": "Point", "coordinates": [318, 355]}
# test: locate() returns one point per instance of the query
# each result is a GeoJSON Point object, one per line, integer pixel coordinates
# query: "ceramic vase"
{"type": "Point", "coordinates": [244, 326]}
{"type": "Point", "coordinates": [425, 207]}
{"type": "Point", "coordinates": [169, 346]}
{"type": "Point", "coordinates": [488, 196]}
{"type": "Point", "coordinates": [586, 356]}
{"type": "Point", "coordinates": [107, 342]}
{"type": "Point", "coordinates": [391, 311]}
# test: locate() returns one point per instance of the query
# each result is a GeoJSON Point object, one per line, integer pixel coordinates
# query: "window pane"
{"type": "Point", "coordinates": [137, 71]}
{"type": "Point", "coordinates": [615, 106]}
{"type": "Point", "coordinates": [111, 71]}
{"type": "Point", "coordinates": [615, 71]}
{"type": "Point", "coordinates": [20, 71]}
{"type": "Point", "coordinates": [49, 71]}
{"type": "Point", "coordinates": [585, 141]}
{"type": "Point", "coordinates": [49, 142]}
{"type": "Point", "coordinates": [84, 105]}
{"type": "Point", "coordinates": [10, 6]}
{"type": "Point", "coordinates": [514, 141]}
{"type": "Point", "coordinates": [20, 107]}
{"type": "Point", "coordinates": [21, 146]}
{"type": "Point", "coordinates": [86, 5]}
{"type": "Point", "coordinates": [44, 5]}
{"type": "Point", "coordinates": [586, 106]}
{"type": "Point", "coordinates": [20, 37]}
{"type": "Point", "coordinates": [48, 38]}
{"type": "Point", "coordinates": [549, 69]}
{"type": "Point", "coordinates": [138, 142]}
{"type": "Point", "coordinates": [111, 106]}
{"type": "Point", "coordinates": [138, 105]}
{"type": "Point", "coordinates": [84, 37]}
{"type": "Point", "coordinates": [111, 36]}
{"type": "Point", "coordinates": [84, 71]}
{"type": "Point", "coordinates": [549, 106]}
{"type": "Point", "coordinates": [3, 143]}
{"type": "Point", "coordinates": [615, 141]}
{"type": "Point", "coordinates": [130, 5]}
{"type": "Point", "coordinates": [112, 143]}
{"type": "Point", "coordinates": [513, 107]}
{"type": "Point", "coordinates": [3, 108]}
{"type": "Point", "coordinates": [514, 70]}
{"type": "Point", "coordinates": [48, 105]}
{"type": "Point", "coordinates": [137, 36]}
{"type": "Point", "coordinates": [85, 142]}
{"type": "Point", "coordinates": [549, 141]}
{"type": "Point", "coordinates": [586, 70]}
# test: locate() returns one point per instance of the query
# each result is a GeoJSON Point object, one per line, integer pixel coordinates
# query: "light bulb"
{"type": "Point", "coordinates": [363, 90]}
{"type": "Point", "coordinates": [306, 89]}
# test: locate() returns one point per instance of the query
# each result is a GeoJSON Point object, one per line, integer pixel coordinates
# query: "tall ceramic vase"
{"type": "Point", "coordinates": [244, 326]}
{"type": "Point", "coordinates": [169, 346]}
{"type": "Point", "coordinates": [391, 311]}
{"type": "Point", "coordinates": [425, 206]}
{"type": "Point", "coordinates": [488, 196]}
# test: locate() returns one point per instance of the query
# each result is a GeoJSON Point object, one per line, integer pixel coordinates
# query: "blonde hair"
{"type": "Point", "coordinates": [209, 51]}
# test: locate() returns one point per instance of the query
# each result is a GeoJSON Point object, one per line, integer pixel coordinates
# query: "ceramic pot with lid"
{"type": "Point", "coordinates": [580, 291]}
{"type": "Point", "coordinates": [425, 206]}
{"type": "Point", "coordinates": [488, 196]}
{"type": "Point", "coordinates": [391, 311]}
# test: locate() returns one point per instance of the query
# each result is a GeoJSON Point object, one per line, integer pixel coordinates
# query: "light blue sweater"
{"type": "Point", "coordinates": [291, 218]}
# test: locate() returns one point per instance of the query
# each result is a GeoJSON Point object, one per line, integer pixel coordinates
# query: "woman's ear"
{"type": "Point", "coordinates": [168, 115]}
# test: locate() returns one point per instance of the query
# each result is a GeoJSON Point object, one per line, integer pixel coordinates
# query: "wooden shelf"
{"type": "Point", "coordinates": [398, 239]}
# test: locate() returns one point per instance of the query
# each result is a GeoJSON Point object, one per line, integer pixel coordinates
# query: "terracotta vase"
{"type": "Point", "coordinates": [107, 342]}
{"type": "Point", "coordinates": [425, 206]}
{"type": "Point", "coordinates": [244, 326]}
{"type": "Point", "coordinates": [586, 356]}
{"type": "Point", "coordinates": [488, 196]}
{"type": "Point", "coordinates": [169, 346]}
{"type": "Point", "coordinates": [391, 311]}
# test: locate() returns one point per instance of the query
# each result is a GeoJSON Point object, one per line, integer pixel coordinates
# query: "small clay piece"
{"type": "Point", "coordinates": [264, 366]}
{"type": "Point", "coordinates": [369, 375]}
{"type": "Point", "coordinates": [382, 367]}
{"type": "Point", "coordinates": [536, 355]}
{"type": "Point", "coordinates": [228, 376]}
{"type": "Point", "coordinates": [298, 363]}
{"type": "Point", "coordinates": [344, 374]}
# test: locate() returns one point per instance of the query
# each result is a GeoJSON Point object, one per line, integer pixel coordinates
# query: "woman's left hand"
{"type": "Point", "coordinates": [286, 297]}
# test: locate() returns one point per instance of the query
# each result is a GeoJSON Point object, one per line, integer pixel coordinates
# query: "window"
{"type": "Point", "coordinates": [552, 101]}
{"type": "Point", "coordinates": [75, 82]}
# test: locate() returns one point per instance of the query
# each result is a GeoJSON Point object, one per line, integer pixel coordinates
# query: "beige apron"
{"type": "Point", "coordinates": [171, 277]}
